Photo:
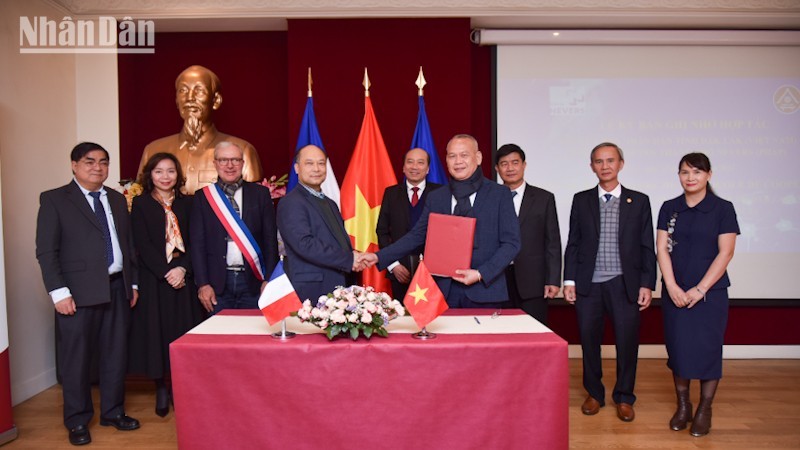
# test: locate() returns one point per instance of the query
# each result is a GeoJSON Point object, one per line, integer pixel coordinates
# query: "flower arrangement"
{"type": "Point", "coordinates": [130, 188]}
{"type": "Point", "coordinates": [352, 311]}
{"type": "Point", "coordinates": [276, 186]}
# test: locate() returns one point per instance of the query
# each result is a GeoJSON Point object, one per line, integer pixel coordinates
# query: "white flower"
{"type": "Point", "coordinates": [323, 324]}
{"type": "Point", "coordinates": [303, 314]}
{"type": "Point", "coordinates": [352, 318]}
{"type": "Point", "coordinates": [315, 313]}
{"type": "Point", "coordinates": [371, 296]}
{"type": "Point", "coordinates": [366, 318]}
{"type": "Point", "coordinates": [324, 314]}
{"type": "Point", "coordinates": [337, 316]}
{"type": "Point", "coordinates": [341, 304]}
{"type": "Point", "coordinates": [322, 300]}
{"type": "Point", "coordinates": [370, 307]}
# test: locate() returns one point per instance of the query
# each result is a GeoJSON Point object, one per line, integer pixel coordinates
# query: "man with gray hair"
{"type": "Point", "coordinates": [233, 236]}
{"type": "Point", "coordinates": [609, 268]}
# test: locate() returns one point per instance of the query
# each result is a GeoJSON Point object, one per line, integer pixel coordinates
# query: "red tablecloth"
{"type": "Point", "coordinates": [458, 391]}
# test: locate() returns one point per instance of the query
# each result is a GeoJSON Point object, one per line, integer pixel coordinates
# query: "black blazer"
{"type": "Point", "coordinates": [636, 248]}
{"type": "Point", "coordinates": [209, 246]}
{"type": "Point", "coordinates": [539, 260]}
{"type": "Point", "coordinates": [394, 219]}
{"type": "Point", "coordinates": [71, 248]}
{"type": "Point", "coordinates": [147, 218]}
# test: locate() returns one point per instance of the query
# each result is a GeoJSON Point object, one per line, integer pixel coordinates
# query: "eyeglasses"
{"type": "Point", "coordinates": [232, 161]}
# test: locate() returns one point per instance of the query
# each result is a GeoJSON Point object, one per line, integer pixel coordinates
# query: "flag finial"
{"type": "Point", "coordinates": [310, 82]}
{"type": "Point", "coordinates": [420, 81]}
{"type": "Point", "coordinates": [366, 83]}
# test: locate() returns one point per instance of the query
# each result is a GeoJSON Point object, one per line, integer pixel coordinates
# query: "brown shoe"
{"type": "Point", "coordinates": [625, 412]}
{"type": "Point", "coordinates": [591, 406]}
{"type": "Point", "coordinates": [702, 418]}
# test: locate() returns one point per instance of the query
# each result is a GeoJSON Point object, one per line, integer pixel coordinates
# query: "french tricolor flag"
{"type": "Point", "coordinates": [279, 298]}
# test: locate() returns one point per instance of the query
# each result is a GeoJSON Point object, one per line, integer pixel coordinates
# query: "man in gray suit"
{"type": "Point", "coordinates": [85, 250]}
{"type": "Point", "coordinates": [535, 274]}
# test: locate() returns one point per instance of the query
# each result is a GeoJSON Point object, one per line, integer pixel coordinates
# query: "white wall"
{"type": "Point", "coordinates": [41, 120]}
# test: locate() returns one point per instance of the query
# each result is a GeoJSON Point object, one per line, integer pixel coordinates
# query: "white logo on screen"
{"type": "Point", "coordinates": [787, 99]}
{"type": "Point", "coordinates": [567, 100]}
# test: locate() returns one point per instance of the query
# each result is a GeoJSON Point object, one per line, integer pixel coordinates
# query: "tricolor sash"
{"type": "Point", "coordinates": [236, 229]}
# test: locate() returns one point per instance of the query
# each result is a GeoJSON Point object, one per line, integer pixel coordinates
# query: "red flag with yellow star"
{"type": "Point", "coordinates": [368, 175]}
{"type": "Point", "coordinates": [424, 300]}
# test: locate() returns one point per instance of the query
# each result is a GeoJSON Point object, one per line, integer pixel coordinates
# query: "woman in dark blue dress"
{"type": "Point", "coordinates": [695, 241]}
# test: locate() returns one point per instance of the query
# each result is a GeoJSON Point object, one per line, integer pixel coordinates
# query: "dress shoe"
{"type": "Point", "coordinates": [683, 414]}
{"type": "Point", "coordinates": [162, 401]}
{"type": "Point", "coordinates": [121, 422]}
{"type": "Point", "coordinates": [625, 412]}
{"type": "Point", "coordinates": [591, 406]}
{"type": "Point", "coordinates": [701, 424]}
{"type": "Point", "coordinates": [80, 435]}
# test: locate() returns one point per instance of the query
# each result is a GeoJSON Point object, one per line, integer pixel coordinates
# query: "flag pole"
{"type": "Point", "coordinates": [424, 335]}
{"type": "Point", "coordinates": [284, 335]}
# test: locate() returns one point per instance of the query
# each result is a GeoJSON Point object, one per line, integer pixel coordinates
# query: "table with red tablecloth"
{"type": "Point", "coordinates": [497, 382]}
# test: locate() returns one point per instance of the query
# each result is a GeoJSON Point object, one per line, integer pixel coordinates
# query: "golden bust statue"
{"type": "Point", "coordinates": [197, 95]}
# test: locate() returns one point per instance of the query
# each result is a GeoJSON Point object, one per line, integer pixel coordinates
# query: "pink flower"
{"type": "Point", "coordinates": [323, 324]}
{"type": "Point", "coordinates": [337, 316]}
{"type": "Point", "coordinates": [366, 318]}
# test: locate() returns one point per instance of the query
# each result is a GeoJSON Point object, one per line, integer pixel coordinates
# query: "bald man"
{"type": "Point", "coordinates": [319, 255]}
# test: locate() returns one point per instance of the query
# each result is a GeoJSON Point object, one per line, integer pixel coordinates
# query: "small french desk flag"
{"type": "Point", "coordinates": [279, 298]}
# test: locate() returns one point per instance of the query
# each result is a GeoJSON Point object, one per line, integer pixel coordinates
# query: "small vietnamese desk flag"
{"type": "Point", "coordinates": [370, 172]}
{"type": "Point", "coordinates": [279, 298]}
{"type": "Point", "coordinates": [424, 300]}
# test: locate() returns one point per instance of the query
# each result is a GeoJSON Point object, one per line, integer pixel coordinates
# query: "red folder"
{"type": "Point", "coordinates": [448, 244]}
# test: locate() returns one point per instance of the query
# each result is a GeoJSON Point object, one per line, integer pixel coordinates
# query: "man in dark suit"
{"type": "Point", "coordinates": [230, 268]}
{"type": "Point", "coordinates": [535, 274]}
{"type": "Point", "coordinates": [401, 208]}
{"type": "Point", "coordinates": [319, 255]}
{"type": "Point", "coordinates": [496, 242]}
{"type": "Point", "coordinates": [609, 268]}
{"type": "Point", "coordinates": [85, 250]}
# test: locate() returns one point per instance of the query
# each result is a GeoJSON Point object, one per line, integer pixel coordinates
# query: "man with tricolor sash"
{"type": "Point", "coordinates": [233, 235]}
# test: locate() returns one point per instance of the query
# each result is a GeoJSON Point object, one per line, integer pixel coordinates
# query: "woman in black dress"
{"type": "Point", "coordinates": [168, 306]}
{"type": "Point", "coordinates": [695, 241]}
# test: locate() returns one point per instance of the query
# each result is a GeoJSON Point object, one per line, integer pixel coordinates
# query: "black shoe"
{"type": "Point", "coordinates": [121, 422]}
{"type": "Point", "coordinates": [80, 435]}
{"type": "Point", "coordinates": [162, 401]}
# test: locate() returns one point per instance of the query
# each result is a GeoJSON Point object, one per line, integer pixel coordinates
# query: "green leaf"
{"type": "Point", "coordinates": [382, 332]}
{"type": "Point", "coordinates": [354, 333]}
{"type": "Point", "coordinates": [335, 330]}
{"type": "Point", "coordinates": [367, 332]}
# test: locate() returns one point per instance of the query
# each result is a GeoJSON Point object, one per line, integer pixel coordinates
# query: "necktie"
{"type": "Point", "coordinates": [414, 196]}
{"type": "Point", "coordinates": [100, 212]}
{"type": "Point", "coordinates": [607, 197]}
{"type": "Point", "coordinates": [514, 194]}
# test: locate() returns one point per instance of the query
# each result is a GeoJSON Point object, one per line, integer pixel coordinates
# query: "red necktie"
{"type": "Point", "coordinates": [414, 196]}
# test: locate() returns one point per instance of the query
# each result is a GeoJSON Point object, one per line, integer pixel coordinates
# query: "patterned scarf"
{"type": "Point", "coordinates": [230, 190]}
{"type": "Point", "coordinates": [173, 231]}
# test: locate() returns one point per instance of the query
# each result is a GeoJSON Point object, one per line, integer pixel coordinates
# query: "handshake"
{"type": "Point", "coordinates": [362, 260]}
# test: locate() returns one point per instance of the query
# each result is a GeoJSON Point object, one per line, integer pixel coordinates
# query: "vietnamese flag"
{"type": "Point", "coordinates": [424, 300]}
{"type": "Point", "coordinates": [368, 175]}
{"type": "Point", "coordinates": [278, 299]}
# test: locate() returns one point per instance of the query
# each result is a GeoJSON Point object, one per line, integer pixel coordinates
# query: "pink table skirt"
{"type": "Point", "coordinates": [458, 391]}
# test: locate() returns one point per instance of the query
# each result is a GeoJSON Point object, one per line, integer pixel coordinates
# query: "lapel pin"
{"type": "Point", "coordinates": [629, 200]}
